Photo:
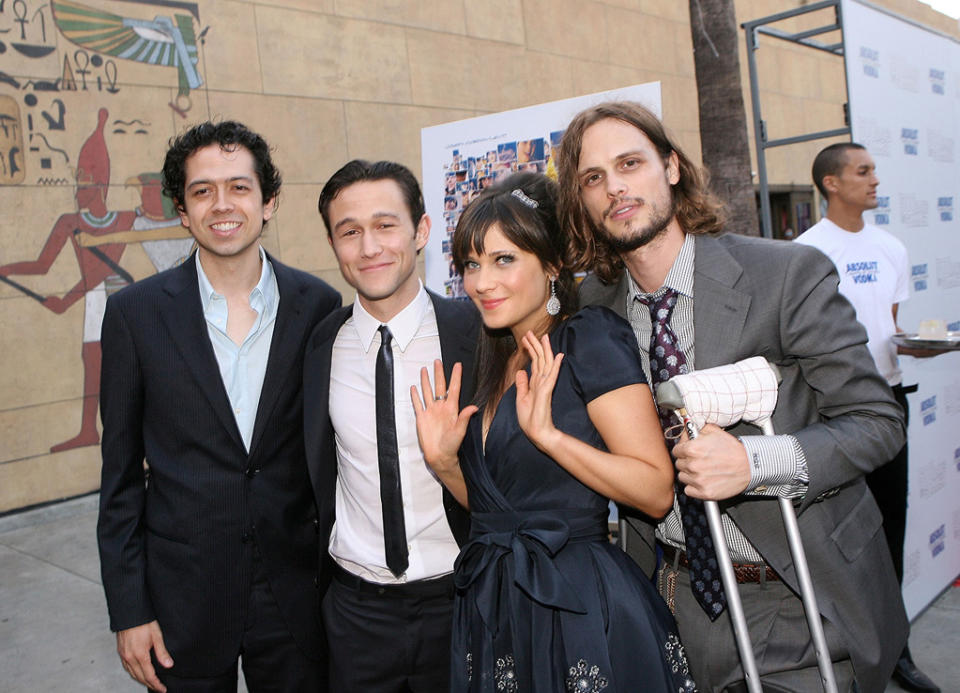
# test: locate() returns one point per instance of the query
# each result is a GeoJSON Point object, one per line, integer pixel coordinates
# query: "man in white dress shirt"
{"type": "Point", "coordinates": [392, 531]}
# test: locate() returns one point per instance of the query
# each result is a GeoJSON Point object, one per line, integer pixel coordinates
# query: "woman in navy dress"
{"type": "Point", "coordinates": [562, 421]}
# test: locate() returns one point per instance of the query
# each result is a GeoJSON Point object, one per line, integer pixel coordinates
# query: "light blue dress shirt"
{"type": "Point", "coordinates": [243, 366]}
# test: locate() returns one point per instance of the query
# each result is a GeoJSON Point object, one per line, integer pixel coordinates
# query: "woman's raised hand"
{"type": "Point", "coordinates": [535, 392]}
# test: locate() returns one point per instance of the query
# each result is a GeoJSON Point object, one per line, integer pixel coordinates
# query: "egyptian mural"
{"type": "Point", "coordinates": [89, 95]}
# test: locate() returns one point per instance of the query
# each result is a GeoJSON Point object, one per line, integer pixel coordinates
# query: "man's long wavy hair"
{"type": "Point", "coordinates": [698, 210]}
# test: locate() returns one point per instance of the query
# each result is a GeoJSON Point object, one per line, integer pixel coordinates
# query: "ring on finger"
{"type": "Point", "coordinates": [439, 398]}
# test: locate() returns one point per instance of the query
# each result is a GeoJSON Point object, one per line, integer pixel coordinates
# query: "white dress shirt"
{"type": "Point", "coordinates": [356, 542]}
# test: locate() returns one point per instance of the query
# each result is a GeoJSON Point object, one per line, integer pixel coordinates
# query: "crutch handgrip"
{"type": "Point", "coordinates": [744, 391]}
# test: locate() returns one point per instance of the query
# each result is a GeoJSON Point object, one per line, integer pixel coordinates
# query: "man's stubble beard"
{"type": "Point", "coordinates": [637, 238]}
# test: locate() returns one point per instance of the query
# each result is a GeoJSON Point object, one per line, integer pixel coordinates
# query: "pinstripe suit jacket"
{"type": "Point", "coordinates": [175, 547]}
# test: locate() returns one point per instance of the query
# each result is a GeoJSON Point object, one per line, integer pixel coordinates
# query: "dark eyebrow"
{"type": "Point", "coordinates": [619, 157]}
{"type": "Point", "coordinates": [376, 215]}
{"type": "Point", "coordinates": [204, 181]}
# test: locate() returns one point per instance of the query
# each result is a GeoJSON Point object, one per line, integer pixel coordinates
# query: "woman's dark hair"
{"type": "Point", "coordinates": [524, 206]}
{"type": "Point", "coordinates": [229, 134]}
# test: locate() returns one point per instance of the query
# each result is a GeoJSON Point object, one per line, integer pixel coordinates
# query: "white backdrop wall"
{"type": "Point", "coordinates": [904, 88]}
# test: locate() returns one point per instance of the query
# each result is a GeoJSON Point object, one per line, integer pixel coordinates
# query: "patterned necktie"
{"type": "Point", "coordinates": [388, 457]}
{"type": "Point", "coordinates": [666, 361]}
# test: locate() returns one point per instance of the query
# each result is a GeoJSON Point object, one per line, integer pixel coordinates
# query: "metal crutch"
{"type": "Point", "coordinates": [744, 391]}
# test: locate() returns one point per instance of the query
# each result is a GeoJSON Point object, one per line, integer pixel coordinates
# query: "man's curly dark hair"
{"type": "Point", "coordinates": [229, 134]}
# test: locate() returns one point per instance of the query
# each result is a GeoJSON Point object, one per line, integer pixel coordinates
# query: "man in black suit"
{"type": "Point", "coordinates": [391, 528]}
{"type": "Point", "coordinates": [210, 555]}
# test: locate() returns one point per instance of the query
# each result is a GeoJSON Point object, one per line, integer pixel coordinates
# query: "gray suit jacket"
{"type": "Point", "coordinates": [755, 297]}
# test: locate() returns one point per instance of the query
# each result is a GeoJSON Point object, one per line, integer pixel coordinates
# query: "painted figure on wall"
{"type": "Point", "coordinates": [98, 237]}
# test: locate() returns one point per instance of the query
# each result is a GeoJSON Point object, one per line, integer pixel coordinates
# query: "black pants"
{"type": "Point", "coordinates": [388, 639]}
{"type": "Point", "coordinates": [889, 487]}
{"type": "Point", "coordinates": [272, 661]}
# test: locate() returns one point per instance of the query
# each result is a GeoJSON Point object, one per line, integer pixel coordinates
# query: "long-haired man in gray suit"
{"type": "Point", "coordinates": [643, 220]}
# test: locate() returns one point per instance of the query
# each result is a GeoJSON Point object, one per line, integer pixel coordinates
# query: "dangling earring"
{"type": "Point", "coordinates": [553, 303]}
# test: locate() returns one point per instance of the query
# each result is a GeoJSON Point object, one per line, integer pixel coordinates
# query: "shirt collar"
{"type": "Point", "coordinates": [403, 326]}
{"type": "Point", "coordinates": [265, 290]}
{"type": "Point", "coordinates": [679, 278]}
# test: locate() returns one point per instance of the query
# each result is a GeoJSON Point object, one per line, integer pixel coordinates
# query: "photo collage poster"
{"type": "Point", "coordinates": [462, 158]}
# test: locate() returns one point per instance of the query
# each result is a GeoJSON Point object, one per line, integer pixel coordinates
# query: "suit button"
{"type": "Point", "coordinates": [251, 472]}
{"type": "Point", "coordinates": [316, 525]}
{"type": "Point", "coordinates": [245, 537]}
{"type": "Point", "coordinates": [316, 581]}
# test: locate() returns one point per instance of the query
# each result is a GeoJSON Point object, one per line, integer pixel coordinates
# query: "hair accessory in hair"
{"type": "Point", "coordinates": [528, 201]}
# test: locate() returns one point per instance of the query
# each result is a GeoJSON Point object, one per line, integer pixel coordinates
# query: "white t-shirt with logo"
{"type": "Point", "coordinates": [874, 273]}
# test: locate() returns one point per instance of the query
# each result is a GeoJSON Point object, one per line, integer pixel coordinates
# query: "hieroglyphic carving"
{"type": "Point", "coordinates": [11, 142]}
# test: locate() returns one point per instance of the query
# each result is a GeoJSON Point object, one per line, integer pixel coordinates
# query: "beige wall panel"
{"type": "Point", "coordinates": [768, 58]}
{"type": "Point", "coordinates": [689, 142]}
{"type": "Point", "coordinates": [376, 132]}
{"type": "Point", "coordinates": [590, 77]}
{"type": "Point", "coordinates": [336, 280]}
{"type": "Point", "coordinates": [684, 64]}
{"type": "Point", "coordinates": [677, 11]}
{"type": "Point", "coordinates": [317, 6]}
{"type": "Point", "coordinates": [830, 74]}
{"type": "Point", "coordinates": [817, 116]}
{"type": "Point", "coordinates": [300, 234]}
{"type": "Point", "coordinates": [497, 20]}
{"type": "Point", "coordinates": [453, 72]}
{"type": "Point", "coordinates": [546, 77]}
{"type": "Point", "coordinates": [61, 276]}
{"type": "Point", "coordinates": [681, 110]}
{"type": "Point", "coordinates": [139, 126]}
{"type": "Point", "coordinates": [567, 27]}
{"type": "Point", "coordinates": [439, 15]}
{"type": "Point", "coordinates": [25, 224]}
{"type": "Point", "coordinates": [41, 358]}
{"type": "Point", "coordinates": [653, 46]}
{"type": "Point", "coordinates": [442, 70]}
{"type": "Point", "coordinates": [29, 432]}
{"type": "Point", "coordinates": [799, 75]}
{"type": "Point", "coordinates": [230, 57]}
{"type": "Point", "coordinates": [35, 480]}
{"type": "Point", "coordinates": [307, 135]}
{"type": "Point", "coordinates": [636, 5]}
{"type": "Point", "coordinates": [315, 55]}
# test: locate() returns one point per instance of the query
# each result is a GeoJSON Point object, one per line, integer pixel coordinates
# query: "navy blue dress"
{"type": "Point", "coordinates": [544, 601]}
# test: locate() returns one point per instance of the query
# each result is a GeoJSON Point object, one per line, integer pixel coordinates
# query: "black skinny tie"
{"type": "Point", "coordinates": [394, 530]}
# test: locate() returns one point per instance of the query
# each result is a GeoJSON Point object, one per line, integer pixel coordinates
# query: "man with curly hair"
{"type": "Point", "coordinates": [209, 552]}
{"type": "Point", "coordinates": [642, 218]}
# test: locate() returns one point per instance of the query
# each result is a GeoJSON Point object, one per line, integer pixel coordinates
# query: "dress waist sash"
{"type": "Point", "coordinates": [520, 548]}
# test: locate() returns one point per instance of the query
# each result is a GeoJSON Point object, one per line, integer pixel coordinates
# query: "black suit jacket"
{"type": "Point", "coordinates": [457, 323]}
{"type": "Point", "coordinates": [175, 545]}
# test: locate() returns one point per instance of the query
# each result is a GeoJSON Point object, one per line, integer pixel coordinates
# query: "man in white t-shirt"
{"type": "Point", "coordinates": [874, 271]}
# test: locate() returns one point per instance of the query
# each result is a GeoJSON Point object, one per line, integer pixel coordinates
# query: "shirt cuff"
{"type": "Point", "coordinates": [778, 466]}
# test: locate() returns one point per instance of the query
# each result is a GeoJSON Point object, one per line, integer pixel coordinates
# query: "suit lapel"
{"type": "Point", "coordinates": [287, 338]}
{"type": "Point", "coordinates": [455, 345]}
{"type": "Point", "coordinates": [316, 387]}
{"type": "Point", "coordinates": [182, 313]}
{"type": "Point", "coordinates": [720, 310]}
